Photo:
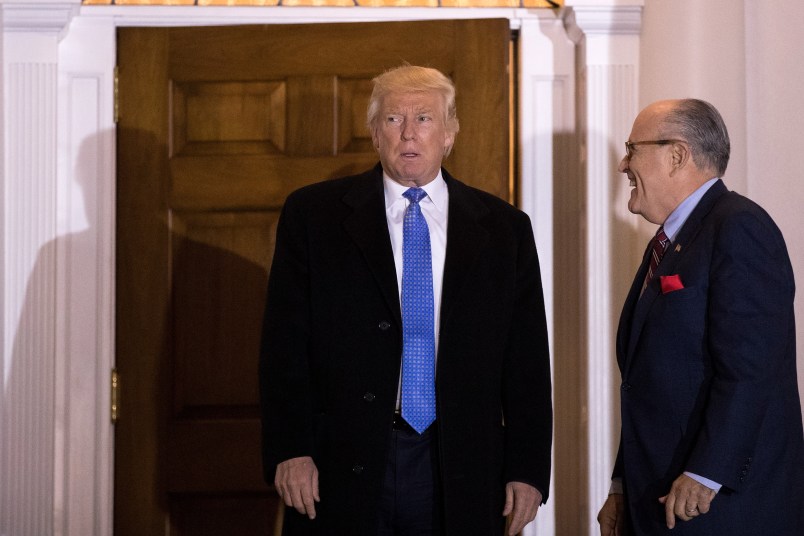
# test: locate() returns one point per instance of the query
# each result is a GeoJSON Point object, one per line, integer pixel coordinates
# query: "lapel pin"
{"type": "Point", "coordinates": [678, 248]}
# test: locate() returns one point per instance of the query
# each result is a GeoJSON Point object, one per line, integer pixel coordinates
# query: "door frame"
{"type": "Point", "coordinates": [71, 49]}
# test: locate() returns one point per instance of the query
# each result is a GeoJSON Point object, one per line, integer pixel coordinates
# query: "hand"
{"type": "Point", "coordinates": [296, 483]}
{"type": "Point", "coordinates": [522, 502]}
{"type": "Point", "coordinates": [687, 499]}
{"type": "Point", "coordinates": [612, 515]}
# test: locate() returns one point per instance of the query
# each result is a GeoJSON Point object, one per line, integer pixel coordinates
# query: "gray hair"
{"type": "Point", "coordinates": [699, 124]}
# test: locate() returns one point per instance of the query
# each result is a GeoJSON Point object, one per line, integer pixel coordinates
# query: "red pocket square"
{"type": "Point", "coordinates": [671, 283]}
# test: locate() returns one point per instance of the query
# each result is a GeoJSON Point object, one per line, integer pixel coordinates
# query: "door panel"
{"type": "Point", "coordinates": [217, 126]}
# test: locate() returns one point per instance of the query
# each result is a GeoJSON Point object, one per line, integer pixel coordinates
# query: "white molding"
{"type": "Point", "coordinates": [606, 21]}
{"type": "Point", "coordinates": [610, 67]}
{"type": "Point", "coordinates": [86, 281]}
{"type": "Point", "coordinates": [546, 116]}
{"type": "Point", "coordinates": [217, 15]}
{"type": "Point", "coordinates": [38, 16]}
{"type": "Point", "coordinates": [29, 227]}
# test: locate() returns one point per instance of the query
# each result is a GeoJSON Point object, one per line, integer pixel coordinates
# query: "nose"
{"type": "Point", "coordinates": [623, 167]}
{"type": "Point", "coordinates": [408, 131]}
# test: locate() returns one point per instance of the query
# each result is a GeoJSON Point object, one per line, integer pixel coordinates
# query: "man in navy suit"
{"type": "Point", "coordinates": [711, 439]}
{"type": "Point", "coordinates": [336, 442]}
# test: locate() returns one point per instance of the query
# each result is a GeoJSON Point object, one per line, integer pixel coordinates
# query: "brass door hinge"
{"type": "Point", "coordinates": [116, 94]}
{"type": "Point", "coordinates": [115, 409]}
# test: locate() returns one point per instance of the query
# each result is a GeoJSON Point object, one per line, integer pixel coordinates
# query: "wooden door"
{"type": "Point", "coordinates": [216, 127]}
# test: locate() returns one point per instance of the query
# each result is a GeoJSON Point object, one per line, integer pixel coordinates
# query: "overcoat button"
{"type": "Point", "coordinates": [368, 397]}
{"type": "Point", "coordinates": [384, 325]}
{"type": "Point", "coordinates": [357, 469]}
{"type": "Point", "coordinates": [625, 386]}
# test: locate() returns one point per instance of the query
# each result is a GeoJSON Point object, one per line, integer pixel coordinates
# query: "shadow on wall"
{"type": "Point", "coordinates": [34, 420]}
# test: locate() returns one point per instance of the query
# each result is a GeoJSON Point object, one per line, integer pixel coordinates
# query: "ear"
{"type": "Point", "coordinates": [449, 141]}
{"type": "Point", "coordinates": [680, 157]}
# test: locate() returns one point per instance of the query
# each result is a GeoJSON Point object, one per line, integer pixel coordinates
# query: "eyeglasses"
{"type": "Point", "coordinates": [629, 145]}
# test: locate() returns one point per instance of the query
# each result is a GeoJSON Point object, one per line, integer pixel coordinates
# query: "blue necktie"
{"type": "Point", "coordinates": [418, 338]}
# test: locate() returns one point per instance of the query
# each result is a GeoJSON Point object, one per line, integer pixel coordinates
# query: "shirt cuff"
{"type": "Point", "coordinates": [616, 486]}
{"type": "Point", "coordinates": [705, 481]}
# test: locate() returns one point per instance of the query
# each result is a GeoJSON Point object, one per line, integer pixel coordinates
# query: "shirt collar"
{"type": "Point", "coordinates": [436, 191]}
{"type": "Point", "coordinates": [676, 219]}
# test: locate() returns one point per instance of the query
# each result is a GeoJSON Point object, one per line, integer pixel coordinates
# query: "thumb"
{"type": "Point", "coordinates": [509, 500]}
{"type": "Point", "coordinates": [316, 496]}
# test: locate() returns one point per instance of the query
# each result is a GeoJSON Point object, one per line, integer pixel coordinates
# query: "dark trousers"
{"type": "Point", "coordinates": [410, 501]}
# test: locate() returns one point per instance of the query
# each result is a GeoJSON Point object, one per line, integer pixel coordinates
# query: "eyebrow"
{"type": "Point", "coordinates": [418, 111]}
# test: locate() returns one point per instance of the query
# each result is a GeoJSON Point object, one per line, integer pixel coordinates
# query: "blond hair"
{"type": "Point", "coordinates": [412, 79]}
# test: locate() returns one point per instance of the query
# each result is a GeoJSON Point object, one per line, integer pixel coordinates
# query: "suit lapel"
{"type": "Point", "coordinates": [466, 238]}
{"type": "Point", "coordinates": [368, 227]}
{"type": "Point", "coordinates": [688, 232]}
{"type": "Point", "coordinates": [626, 325]}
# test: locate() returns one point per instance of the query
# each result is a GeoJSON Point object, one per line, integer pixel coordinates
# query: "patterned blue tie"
{"type": "Point", "coordinates": [418, 338]}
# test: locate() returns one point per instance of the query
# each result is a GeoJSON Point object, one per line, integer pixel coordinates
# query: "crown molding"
{"type": "Point", "coordinates": [51, 17]}
{"type": "Point", "coordinates": [613, 17]}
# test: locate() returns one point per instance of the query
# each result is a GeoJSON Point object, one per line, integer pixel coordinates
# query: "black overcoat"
{"type": "Point", "coordinates": [332, 344]}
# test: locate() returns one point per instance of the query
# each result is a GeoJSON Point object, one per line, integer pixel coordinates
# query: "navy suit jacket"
{"type": "Point", "coordinates": [709, 376]}
{"type": "Point", "coordinates": [332, 346]}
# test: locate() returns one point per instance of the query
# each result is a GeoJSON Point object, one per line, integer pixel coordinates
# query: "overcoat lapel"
{"type": "Point", "coordinates": [466, 238]}
{"type": "Point", "coordinates": [678, 248]}
{"type": "Point", "coordinates": [368, 227]}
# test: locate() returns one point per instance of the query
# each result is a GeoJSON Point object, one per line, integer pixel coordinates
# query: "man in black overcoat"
{"type": "Point", "coordinates": [336, 441]}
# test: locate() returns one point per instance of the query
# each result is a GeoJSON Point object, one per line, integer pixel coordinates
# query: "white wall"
{"type": "Point", "coordinates": [775, 109]}
{"type": "Point", "coordinates": [745, 58]}
{"type": "Point", "coordinates": [696, 49]}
